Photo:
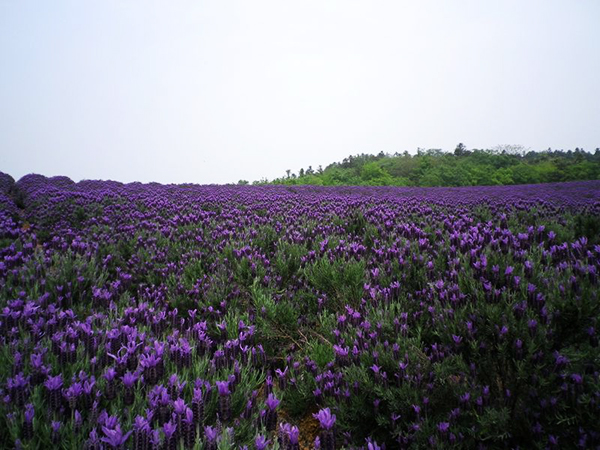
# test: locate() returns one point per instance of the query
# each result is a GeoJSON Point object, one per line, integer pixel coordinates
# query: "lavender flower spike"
{"type": "Point", "coordinates": [115, 437]}
{"type": "Point", "coordinates": [325, 418]}
{"type": "Point", "coordinates": [261, 442]}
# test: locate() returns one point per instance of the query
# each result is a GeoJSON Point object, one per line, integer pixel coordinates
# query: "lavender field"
{"type": "Point", "coordinates": [147, 316]}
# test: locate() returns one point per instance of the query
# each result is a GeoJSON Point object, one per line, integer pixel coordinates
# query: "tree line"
{"type": "Point", "coordinates": [502, 165]}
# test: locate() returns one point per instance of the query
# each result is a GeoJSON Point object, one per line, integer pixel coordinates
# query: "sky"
{"type": "Point", "coordinates": [217, 91]}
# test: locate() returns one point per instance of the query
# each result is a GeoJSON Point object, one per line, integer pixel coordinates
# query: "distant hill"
{"type": "Point", "coordinates": [503, 165]}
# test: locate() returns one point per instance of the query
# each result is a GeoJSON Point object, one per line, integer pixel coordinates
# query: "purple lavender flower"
{"type": "Point", "coordinates": [272, 402]}
{"type": "Point", "coordinates": [115, 437]}
{"type": "Point", "coordinates": [141, 435]}
{"type": "Point", "coordinates": [77, 421]}
{"type": "Point", "coordinates": [28, 425]}
{"type": "Point", "coordinates": [29, 412]}
{"type": "Point", "coordinates": [282, 377]}
{"type": "Point", "coordinates": [443, 427]}
{"type": "Point", "coordinates": [288, 437]}
{"type": "Point", "coordinates": [261, 442]}
{"type": "Point", "coordinates": [55, 425]}
{"type": "Point", "coordinates": [327, 423]}
{"type": "Point", "coordinates": [271, 413]}
{"type": "Point", "coordinates": [170, 428]}
{"type": "Point", "coordinates": [372, 445]}
{"type": "Point", "coordinates": [294, 436]}
{"type": "Point", "coordinates": [179, 406]}
{"type": "Point", "coordinates": [110, 374]}
{"type": "Point", "coordinates": [224, 400]}
{"type": "Point", "coordinates": [211, 434]}
{"type": "Point", "coordinates": [129, 379]}
{"type": "Point", "coordinates": [53, 385]}
{"type": "Point", "coordinates": [93, 441]}
{"type": "Point", "coordinates": [223, 387]}
{"type": "Point", "coordinates": [198, 406]}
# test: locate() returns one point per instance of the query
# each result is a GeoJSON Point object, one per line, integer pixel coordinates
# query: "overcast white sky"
{"type": "Point", "coordinates": [217, 91]}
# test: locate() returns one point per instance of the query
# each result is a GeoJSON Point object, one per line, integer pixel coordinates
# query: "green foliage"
{"type": "Point", "coordinates": [287, 260]}
{"type": "Point", "coordinates": [501, 166]}
{"type": "Point", "coordinates": [341, 281]}
{"type": "Point", "coordinates": [277, 321]}
{"type": "Point", "coordinates": [588, 226]}
{"type": "Point", "coordinates": [320, 352]}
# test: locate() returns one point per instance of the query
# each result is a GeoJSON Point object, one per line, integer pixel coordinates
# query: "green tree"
{"type": "Point", "coordinates": [460, 149]}
{"type": "Point", "coordinates": [372, 174]}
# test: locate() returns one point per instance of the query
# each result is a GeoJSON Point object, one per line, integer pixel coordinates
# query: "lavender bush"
{"type": "Point", "coordinates": [160, 316]}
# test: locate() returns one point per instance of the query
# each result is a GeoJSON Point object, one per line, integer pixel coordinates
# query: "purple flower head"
{"type": "Point", "coordinates": [280, 373]}
{"type": "Point", "coordinates": [342, 352]}
{"type": "Point", "coordinates": [232, 379]}
{"type": "Point", "coordinates": [93, 436]}
{"type": "Point", "coordinates": [37, 361]}
{"type": "Point", "coordinates": [55, 426]}
{"type": "Point", "coordinates": [108, 421]}
{"type": "Point", "coordinates": [179, 406]}
{"type": "Point", "coordinates": [325, 418]}
{"type": "Point", "coordinates": [272, 402]}
{"type": "Point", "coordinates": [110, 374]}
{"type": "Point", "coordinates": [269, 382]}
{"type": "Point", "coordinates": [155, 438]}
{"type": "Point", "coordinates": [443, 427]}
{"type": "Point", "coordinates": [189, 415]}
{"type": "Point", "coordinates": [129, 379]}
{"type": "Point", "coordinates": [77, 417]}
{"type": "Point", "coordinates": [261, 442]}
{"type": "Point", "coordinates": [173, 380]}
{"type": "Point", "coordinates": [54, 383]}
{"type": "Point", "coordinates": [18, 382]}
{"type": "Point", "coordinates": [470, 327]}
{"type": "Point", "coordinates": [560, 360]}
{"type": "Point", "coordinates": [141, 424]}
{"type": "Point", "coordinates": [294, 434]}
{"type": "Point", "coordinates": [372, 445]}
{"type": "Point", "coordinates": [75, 390]}
{"type": "Point", "coordinates": [317, 443]}
{"type": "Point", "coordinates": [29, 412]}
{"type": "Point", "coordinates": [211, 433]}
{"type": "Point", "coordinates": [149, 361]}
{"type": "Point", "coordinates": [223, 387]}
{"type": "Point", "coordinates": [197, 395]}
{"type": "Point", "coordinates": [577, 379]}
{"type": "Point", "coordinates": [115, 437]}
{"type": "Point", "coordinates": [169, 429]}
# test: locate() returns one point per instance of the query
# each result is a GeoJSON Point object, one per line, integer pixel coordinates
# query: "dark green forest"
{"type": "Point", "coordinates": [500, 166]}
